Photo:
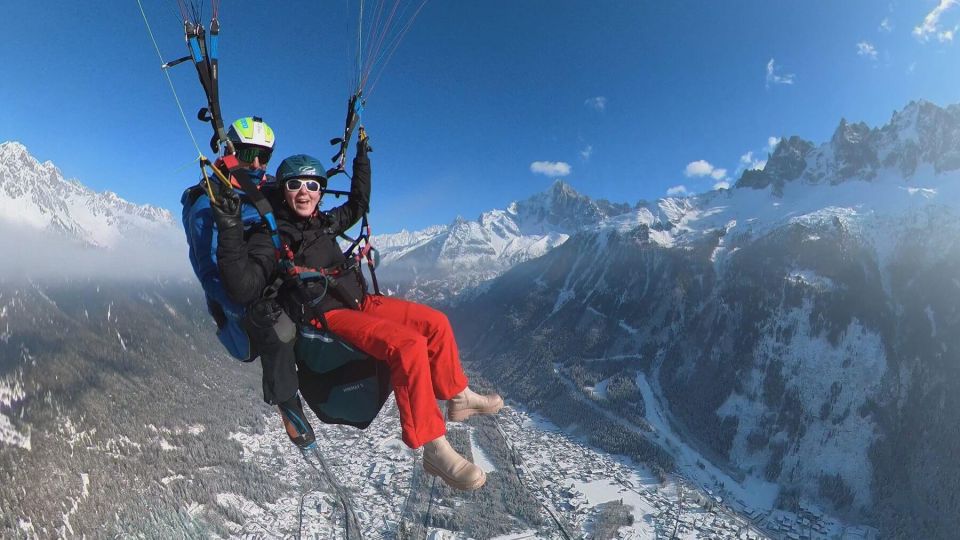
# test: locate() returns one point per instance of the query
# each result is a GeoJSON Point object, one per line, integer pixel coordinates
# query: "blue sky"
{"type": "Point", "coordinates": [623, 99]}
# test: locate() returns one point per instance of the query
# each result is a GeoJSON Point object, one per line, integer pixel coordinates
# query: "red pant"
{"type": "Point", "coordinates": [416, 341]}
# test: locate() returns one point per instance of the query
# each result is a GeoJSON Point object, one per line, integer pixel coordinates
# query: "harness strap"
{"type": "Point", "coordinates": [258, 200]}
{"type": "Point", "coordinates": [290, 272]}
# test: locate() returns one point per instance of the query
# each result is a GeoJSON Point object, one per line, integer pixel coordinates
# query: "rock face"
{"type": "Point", "coordinates": [803, 327]}
{"type": "Point", "coordinates": [920, 134]}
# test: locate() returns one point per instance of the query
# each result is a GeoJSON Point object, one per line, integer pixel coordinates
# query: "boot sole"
{"type": "Point", "coordinates": [431, 470]}
{"type": "Point", "coordinates": [459, 415]}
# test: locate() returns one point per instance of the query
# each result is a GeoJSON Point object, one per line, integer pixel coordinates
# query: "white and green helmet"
{"type": "Point", "coordinates": [251, 130]}
{"type": "Point", "coordinates": [252, 138]}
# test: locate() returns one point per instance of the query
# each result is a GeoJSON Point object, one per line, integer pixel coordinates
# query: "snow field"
{"type": "Point", "coordinates": [812, 365]}
{"type": "Point", "coordinates": [11, 393]}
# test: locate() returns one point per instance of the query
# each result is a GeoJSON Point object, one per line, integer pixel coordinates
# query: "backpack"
{"type": "Point", "coordinates": [201, 231]}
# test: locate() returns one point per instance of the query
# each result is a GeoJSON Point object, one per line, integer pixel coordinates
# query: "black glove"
{"type": "Point", "coordinates": [225, 205]}
{"type": "Point", "coordinates": [363, 143]}
{"type": "Point", "coordinates": [264, 313]}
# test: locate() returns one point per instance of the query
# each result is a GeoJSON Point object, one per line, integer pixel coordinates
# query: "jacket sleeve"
{"type": "Point", "coordinates": [358, 202]}
{"type": "Point", "coordinates": [246, 266]}
{"type": "Point", "coordinates": [200, 238]}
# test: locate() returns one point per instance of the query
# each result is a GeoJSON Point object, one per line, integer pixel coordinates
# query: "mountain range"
{"type": "Point", "coordinates": [36, 195]}
{"type": "Point", "coordinates": [440, 262]}
{"type": "Point", "coordinates": [799, 330]}
{"type": "Point", "coordinates": [801, 327]}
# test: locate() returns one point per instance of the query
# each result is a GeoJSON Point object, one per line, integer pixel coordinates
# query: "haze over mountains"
{"type": "Point", "coordinates": [800, 331]}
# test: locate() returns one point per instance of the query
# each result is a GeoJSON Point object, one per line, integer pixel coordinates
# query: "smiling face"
{"type": "Point", "coordinates": [302, 201]}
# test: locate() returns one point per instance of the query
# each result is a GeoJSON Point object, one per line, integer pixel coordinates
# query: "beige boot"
{"type": "Point", "coordinates": [468, 403]}
{"type": "Point", "coordinates": [440, 459]}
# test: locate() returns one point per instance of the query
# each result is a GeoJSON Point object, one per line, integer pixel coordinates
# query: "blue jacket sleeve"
{"type": "Point", "coordinates": [202, 240]}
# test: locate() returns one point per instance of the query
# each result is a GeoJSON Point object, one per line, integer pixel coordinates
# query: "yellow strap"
{"type": "Point", "coordinates": [204, 163]}
{"type": "Point", "coordinates": [206, 180]}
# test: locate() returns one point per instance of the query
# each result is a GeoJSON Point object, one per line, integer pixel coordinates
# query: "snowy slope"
{"type": "Point", "coordinates": [36, 195]}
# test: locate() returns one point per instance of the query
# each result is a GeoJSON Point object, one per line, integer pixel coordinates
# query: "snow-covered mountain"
{"type": "Point", "coordinates": [37, 196]}
{"type": "Point", "coordinates": [802, 328]}
{"type": "Point", "coordinates": [79, 233]}
{"type": "Point", "coordinates": [922, 134]}
{"type": "Point", "coordinates": [443, 260]}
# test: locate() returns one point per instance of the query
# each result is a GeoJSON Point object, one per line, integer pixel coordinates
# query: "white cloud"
{"type": "Point", "coordinates": [722, 185]}
{"type": "Point", "coordinates": [587, 152]}
{"type": "Point", "coordinates": [772, 143]}
{"type": "Point", "coordinates": [885, 25]}
{"type": "Point", "coordinates": [598, 103]}
{"type": "Point", "coordinates": [747, 162]}
{"type": "Point", "coordinates": [865, 48]}
{"type": "Point", "coordinates": [551, 168]}
{"type": "Point", "coordinates": [700, 168]}
{"type": "Point", "coordinates": [931, 23]}
{"type": "Point", "coordinates": [680, 190]}
{"type": "Point", "coordinates": [773, 77]}
{"type": "Point", "coordinates": [947, 35]}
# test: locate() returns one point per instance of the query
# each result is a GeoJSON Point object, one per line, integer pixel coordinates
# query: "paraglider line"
{"type": "Point", "coordinates": [197, 11]}
{"type": "Point", "coordinates": [360, 36]}
{"type": "Point", "coordinates": [396, 44]}
{"type": "Point", "coordinates": [351, 522]}
{"type": "Point", "coordinates": [376, 24]}
{"type": "Point", "coordinates": [374, 31]}
{"type": "Point", "coordinates": [426, 517]}
{"type": "Point", "coordinates": [368, 67]}
{"type": "Point", "coordinates": [170, 81]}
{"type": "Point", "coordinates": [184, 15]}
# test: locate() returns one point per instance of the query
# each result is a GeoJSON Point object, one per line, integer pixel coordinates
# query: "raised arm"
{"type": "Point", "coordinates": [358, 202]}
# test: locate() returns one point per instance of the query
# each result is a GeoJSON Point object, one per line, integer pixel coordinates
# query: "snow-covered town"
{"type": "Point", "coordinates": [376, 474]}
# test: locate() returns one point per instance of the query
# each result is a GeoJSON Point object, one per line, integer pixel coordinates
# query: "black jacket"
{"type": "Point", "coordinates": [248, 265]}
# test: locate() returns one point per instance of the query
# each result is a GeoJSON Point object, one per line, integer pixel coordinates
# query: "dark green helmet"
{"type": "Point", "coordinates": [302, 166]}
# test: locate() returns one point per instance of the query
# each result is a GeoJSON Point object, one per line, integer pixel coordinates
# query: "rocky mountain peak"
{"type": "Point", "coordinates": [850, 134]}
{"type": "Point", "coordinates": [855, 150]}
{"type": "Point", "coordinates": [922, 133]}
{"type": "Point", "coordinates": [439, 262]}
{"type": "Point", "coordinates": [787, 163]}
{"type": "Point", "coordinates": [561, 209]}
{"type": "Point", "coordinates": [562, 190]}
